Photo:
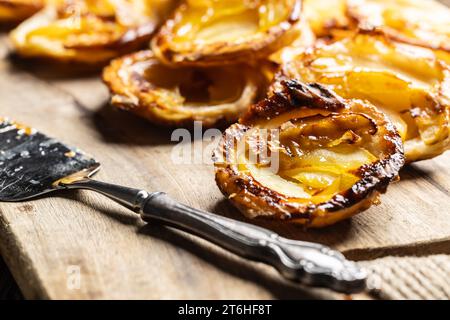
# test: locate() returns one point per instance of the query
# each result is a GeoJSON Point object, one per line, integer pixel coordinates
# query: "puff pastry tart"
{"type": "Point", "coordinates": [423, 23]}
{"type": "Point", "coordinates": [177, 97]}
{"type": "Point", "coordinates": [333, 157]}
{"type": "Point", "coordinates": [88, 31]}
{"type": "Point", "coordinates": [406, 82]}
{"type": "Point", "coordinates": [208, 32]}
{"type": "Point", "coordinates": [14, 11]}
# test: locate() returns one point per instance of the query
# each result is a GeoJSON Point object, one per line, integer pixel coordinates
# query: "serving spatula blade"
{"type": "Point", "coordinates": [31, 162]}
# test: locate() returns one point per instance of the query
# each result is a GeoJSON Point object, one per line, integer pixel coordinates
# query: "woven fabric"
{"type": "Point", "coordinates": [411, 278]}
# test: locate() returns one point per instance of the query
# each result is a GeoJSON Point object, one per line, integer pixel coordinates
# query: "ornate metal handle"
{"type": "Point", "coordinates": [308, 263]}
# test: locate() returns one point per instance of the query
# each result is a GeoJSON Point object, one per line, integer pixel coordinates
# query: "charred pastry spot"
{"type": "Point", "coordinates": [336, 157]}
{"type": "Point", "coordinates": [327, 17]}
{"type": "Point", "coordinates": [290, 94]}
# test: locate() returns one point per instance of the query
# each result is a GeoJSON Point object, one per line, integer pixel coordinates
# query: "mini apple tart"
{"type": "Point", "coordinates": [15, 11]}
{"type": "Point", "coordinates": [308, 156]}
{"type": "Point", "coordinates": [211, 32]}
{"type": "Point", "coordinates": [418, 22]}
{"type": "Point", "coordinates": [406, 82]}
{"type": "Point", "coordinates": [87, 31]}
{"type": "Point", "coordinates": [179, 96]}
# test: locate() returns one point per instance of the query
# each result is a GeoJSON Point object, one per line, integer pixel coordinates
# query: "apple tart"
{"type": "Point", "coordinates": [211, 32]}
{"type": "Point", "coordinates": [89, 31]}
{"type": "Point", "coordinates": [333, 156]}
{"type": "Point", "coordinates": [140, 83]}
{"type": "Point", "coordinates": [417, 22]}
{"type": "Point", "coordinates": [406, 82]}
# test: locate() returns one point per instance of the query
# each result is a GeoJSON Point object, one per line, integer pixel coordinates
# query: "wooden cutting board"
{"type": "Point", "coordinates": [81, 245]}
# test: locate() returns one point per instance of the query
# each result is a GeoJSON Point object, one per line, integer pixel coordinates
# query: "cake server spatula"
{"type": "Point", "coordinates": [32, 164]}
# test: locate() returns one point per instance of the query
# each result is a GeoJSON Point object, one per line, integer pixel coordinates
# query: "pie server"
{"type": "Point", "coordinates": [32, 164]}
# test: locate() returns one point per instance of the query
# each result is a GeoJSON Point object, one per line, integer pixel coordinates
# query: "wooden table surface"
{"type": "Point", "coordinates": [81, 245]}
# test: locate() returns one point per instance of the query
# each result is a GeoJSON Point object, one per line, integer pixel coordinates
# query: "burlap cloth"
{"type": "Point", "coordinates": [410, 277]}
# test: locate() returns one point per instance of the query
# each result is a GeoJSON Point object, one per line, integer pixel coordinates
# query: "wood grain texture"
{"type": "Point", "coordinates": [119, 256]}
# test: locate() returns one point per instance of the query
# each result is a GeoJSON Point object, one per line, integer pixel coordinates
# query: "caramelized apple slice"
{"type": "Point", "coordinates": [408, 83]}
{"type": "Point", "coordinates": [306, 156]}
{"type": "Point", "coordinates": [208, 32]}
{"type": "Point", "coordinates": [14, 11]}
{"type": "Point", "coordinates": [89, 31]}
{"type": "Point", "coordinates": [216, 95]}
{"type": "Point", "coordinates": [423, 23]}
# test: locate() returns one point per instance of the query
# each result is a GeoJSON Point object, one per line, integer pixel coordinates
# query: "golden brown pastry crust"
{"type": "Point", "coordinates": [290, 100]}
{"type": "Point", "coordinates": [259, 45]}
{"type": "Point", "coordinates": [141, 84]}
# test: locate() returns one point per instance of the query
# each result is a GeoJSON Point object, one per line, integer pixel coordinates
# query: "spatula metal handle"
{"type": "Point", "coordinates": [308, 263]}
